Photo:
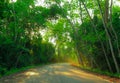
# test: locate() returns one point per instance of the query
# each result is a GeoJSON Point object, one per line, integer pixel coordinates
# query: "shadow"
{"type": "Point", "coordinates": [55, 73]}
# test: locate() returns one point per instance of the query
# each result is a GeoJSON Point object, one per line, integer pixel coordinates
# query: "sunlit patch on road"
{"type": "Point", "coordinates": [55, 73]}
{"type": "Point", "coordinates": [31, 73]}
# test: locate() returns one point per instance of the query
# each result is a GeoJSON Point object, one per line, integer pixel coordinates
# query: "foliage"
{"type": "Point", "coordinates": [74, 30]}
{"type": "Point", "coordinates": [21, 43]}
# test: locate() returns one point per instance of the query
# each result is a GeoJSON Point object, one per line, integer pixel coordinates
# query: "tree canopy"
{"type": "Point", "coordinates": [83, 31]}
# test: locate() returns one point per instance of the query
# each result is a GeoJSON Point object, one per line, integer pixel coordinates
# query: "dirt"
{"type": "Point", "coordinates": [54, 73]}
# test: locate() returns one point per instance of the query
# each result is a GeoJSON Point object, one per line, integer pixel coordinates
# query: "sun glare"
{"type": "Point", "coordinates": [13, 1]}
{"type": "Point", "coordinates": [31, 73]}
{"type": "Point", "coordinates": [39, 3]}
{"type": "Point", "coordinates": [117, 3]}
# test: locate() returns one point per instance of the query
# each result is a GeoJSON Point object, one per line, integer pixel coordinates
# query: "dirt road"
{"type": "Point", "coordinates": [55, 73]}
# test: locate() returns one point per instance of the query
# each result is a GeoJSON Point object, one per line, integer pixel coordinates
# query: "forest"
{"type": "Point", "coordinates": [84, 32]}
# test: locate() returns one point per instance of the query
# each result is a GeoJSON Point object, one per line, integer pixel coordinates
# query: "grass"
{"type": "Point", "coordinates": [97, 71]}
{"type": "Point", "coordinates": [16, 70]}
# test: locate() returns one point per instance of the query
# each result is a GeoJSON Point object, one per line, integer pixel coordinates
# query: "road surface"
{"type": "Point", "coordinates": [54, 73]}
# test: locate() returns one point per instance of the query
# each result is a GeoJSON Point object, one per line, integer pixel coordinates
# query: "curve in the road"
{"type": "Point", "coordinates": [55, 73]}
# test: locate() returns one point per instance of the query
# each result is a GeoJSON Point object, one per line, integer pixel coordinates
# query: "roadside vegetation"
{"type": "Point", "coordinates": [84, 32]}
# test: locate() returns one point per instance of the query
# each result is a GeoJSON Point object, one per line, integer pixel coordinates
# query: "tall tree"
{"type": "Point", "coordinates": [109, 39]}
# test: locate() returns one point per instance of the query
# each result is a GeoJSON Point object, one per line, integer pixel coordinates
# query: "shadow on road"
{"type": "Point", "coordinates": [55, 73]}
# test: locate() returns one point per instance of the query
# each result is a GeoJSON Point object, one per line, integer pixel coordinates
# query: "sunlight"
{"type": "Point", "coordinates": [39, 3]}
{"type": "Point", "coordinates": [13, 1]}
{"type": "Point", "coordinates": [116, 3]}
{"type": "Point", "coordinates": [67, 73]}
{"type": "Point", "coordinates": [31, 73]}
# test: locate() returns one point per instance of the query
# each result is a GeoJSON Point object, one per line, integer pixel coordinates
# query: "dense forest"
{"type": "Point", "coordinates": [34, 32]}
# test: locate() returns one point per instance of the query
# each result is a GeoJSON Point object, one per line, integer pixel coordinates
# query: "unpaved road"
{"type": "Point", "coordinates": [55, 73]}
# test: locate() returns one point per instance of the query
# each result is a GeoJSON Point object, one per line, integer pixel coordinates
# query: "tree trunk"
{"type": "Point", "coordinates": [15, 27]}
{"type": "Point", "coordinates": [79, 57]}
{"type": "Point", "coordinates": [106, 12]}
{"type": "Point", "coordinates": [99, 38]}
{"type": "Point", "coordinates": [109, 39]}
{"type": "Point", "coordinates": [112, 28]}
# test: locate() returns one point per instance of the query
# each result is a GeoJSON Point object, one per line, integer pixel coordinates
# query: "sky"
{"type": "Point", "coordinates": [116, 2]}
{"type": "Point", "coordinates": [41, 2]}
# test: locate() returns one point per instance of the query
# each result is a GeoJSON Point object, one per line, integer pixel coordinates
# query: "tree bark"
{"type": "Point", "coordinates": [99, 38]}
{"type": "Point", "coordinates": [106, 12]}
{"type": "Point", "coordinates": [109, 39]}
{"type": "Point", "coordinates": [112, 28]}
{"type": "Point", "coordinates": [79, 57]}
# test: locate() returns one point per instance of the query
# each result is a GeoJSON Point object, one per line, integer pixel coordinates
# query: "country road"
{"type": "Point", "coordinates": [54, 73]}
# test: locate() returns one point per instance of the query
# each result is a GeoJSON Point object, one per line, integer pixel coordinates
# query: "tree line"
{"type": "Point", "coordinates": [86, 31]}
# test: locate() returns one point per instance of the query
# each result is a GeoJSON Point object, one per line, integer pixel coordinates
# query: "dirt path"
{"type": "Point", "coordinates": [55, 73]}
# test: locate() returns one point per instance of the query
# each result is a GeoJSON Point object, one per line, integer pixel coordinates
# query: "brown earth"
{"type": "Point", "coordinates": [54, 73]}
